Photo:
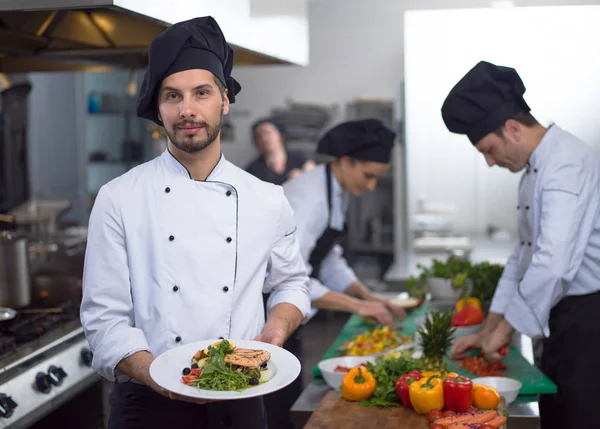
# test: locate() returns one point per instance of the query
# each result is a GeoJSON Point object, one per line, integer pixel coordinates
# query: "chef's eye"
{"type": "Point", "coordinates": [203, 92]}
{"type": "Point", "coordinates": [171, 96]}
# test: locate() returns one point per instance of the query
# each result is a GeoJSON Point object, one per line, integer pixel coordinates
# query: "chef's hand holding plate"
{"type": "Point", "coordinates": [271, 336]}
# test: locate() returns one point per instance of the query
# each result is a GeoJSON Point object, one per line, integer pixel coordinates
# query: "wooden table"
{"type": "Point", "coordinates": [333, 413]}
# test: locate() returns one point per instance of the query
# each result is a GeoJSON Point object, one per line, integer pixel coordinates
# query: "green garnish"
{"type": "Point", "coordinates": [217, 375]}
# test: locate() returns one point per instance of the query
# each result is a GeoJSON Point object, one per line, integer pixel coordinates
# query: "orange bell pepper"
{"type": "Point", "coordinates": [358, 384]}
{"type": "Point", "coordinates": [485, 397]}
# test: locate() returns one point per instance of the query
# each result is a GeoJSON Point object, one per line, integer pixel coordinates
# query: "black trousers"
{"type": "Point", "coordinates": [571, 358]}
{"type": "Point", "coordinates": [278, 404]}
{"type": "Point", "coordinates": [135, 406]}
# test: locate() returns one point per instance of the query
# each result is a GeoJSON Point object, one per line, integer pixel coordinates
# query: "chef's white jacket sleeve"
{"type": "Point", "coordinates": [335, 272]}
{"type": "Point", "coordinates": [287, 280]}
{"type": "Point", "coordinates": [569, 209]}
{"type": "Point", "coordinates": [507, 285]}
{"type": "Point", "coordinates": [107, 308]}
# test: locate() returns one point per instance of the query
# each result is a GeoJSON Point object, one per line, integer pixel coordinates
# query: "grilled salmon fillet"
{"type": "Point", "coordinates": [247, 357]}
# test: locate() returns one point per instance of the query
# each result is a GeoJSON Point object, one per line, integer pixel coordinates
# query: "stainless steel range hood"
{"type": "Point", "coordinates": [90, 35]}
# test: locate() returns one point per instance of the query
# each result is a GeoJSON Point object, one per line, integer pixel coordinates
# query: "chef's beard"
{"type": "Point", "coordinates": [193, 144]}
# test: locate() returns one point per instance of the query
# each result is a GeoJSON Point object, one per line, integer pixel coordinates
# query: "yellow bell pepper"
{"type": "Point", "coordinates": [463, 302]}
{"type": "Point", "coordinates": [358, 384]}
{"type": "Point", "coordinates": [426, 394]}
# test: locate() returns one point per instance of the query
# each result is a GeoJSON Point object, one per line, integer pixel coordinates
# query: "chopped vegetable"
{"type": "Point", "coordinates": [375, 341]}
{"type": "Point", "coordinates": [481, 367]}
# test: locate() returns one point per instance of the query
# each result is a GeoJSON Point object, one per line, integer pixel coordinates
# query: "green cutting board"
{"type": "Point", "coordinates": [534, 381]}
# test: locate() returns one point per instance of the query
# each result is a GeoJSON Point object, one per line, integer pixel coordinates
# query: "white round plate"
{"type": "Point", "coordinates": [166, 371]}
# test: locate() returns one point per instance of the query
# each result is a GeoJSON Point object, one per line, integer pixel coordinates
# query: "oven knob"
{"type": "Point", "coordinates": [42, 382]}
{"type": "Point", "coordinates": [56, 375]}
{"type": "Point", "coordinates": [86, 356]}
{"type": "Point", "coordinates": [7, 406]}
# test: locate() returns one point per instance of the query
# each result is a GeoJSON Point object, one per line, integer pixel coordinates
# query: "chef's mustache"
{"type": "Point", "coordinates": [192, 124]}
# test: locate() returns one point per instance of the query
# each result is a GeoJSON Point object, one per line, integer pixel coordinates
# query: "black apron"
{"type": "Point", "coordinates": [571, 358]}
{"type": "Point", "coordinates": [330, 236]}
{"type": "Point", "coordinates": [278, 404]}
{"type": "Point", "coordinates": [136, 406]}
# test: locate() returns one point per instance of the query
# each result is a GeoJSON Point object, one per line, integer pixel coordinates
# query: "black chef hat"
{"type": "Point", "coordinates": [271, 121]}
{"type": "Point", "coordinates": [483, 100]}
{"type": "Point", "coordinates": [366, 139]}
{"type": "Point", "coordinates": [194, 44]}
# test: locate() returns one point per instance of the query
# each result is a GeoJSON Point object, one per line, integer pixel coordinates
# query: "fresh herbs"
{"type": "Point", "coordinates": [436, 337]}
{"type": "Point", "coordinates": [217, 375]}
{"type": "Point", "coordinates": [483, 277]}
{"type": "Point", "coordinates": [387, 372]}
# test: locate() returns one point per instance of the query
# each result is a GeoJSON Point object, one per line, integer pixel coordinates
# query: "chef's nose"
{"type": "Point", "coordinates": [490, 161]}
{"type": "Point", "coordinates": [187, 108]}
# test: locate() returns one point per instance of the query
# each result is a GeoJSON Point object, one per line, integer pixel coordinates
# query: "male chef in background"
{"type": "Point", "coordinates": [550, 287]}
{"type": "Point", "coordinates": [179, 247]}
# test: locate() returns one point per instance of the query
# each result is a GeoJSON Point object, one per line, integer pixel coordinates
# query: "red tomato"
{"type": "Point", "coordinates": [486, 426]}
{"type": "Point", "coordinates": [448, 413]}
{"type": "Point", "coordinates": [433, 415]}
{"type": "Point", "coordinates": [437, 426]}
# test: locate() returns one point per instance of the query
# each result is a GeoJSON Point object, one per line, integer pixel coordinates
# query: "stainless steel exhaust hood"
{"type": "Point", "coordinates": [89, 35]}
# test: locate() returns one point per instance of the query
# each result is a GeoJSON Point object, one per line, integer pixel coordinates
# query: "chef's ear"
{"type": "Point", "coordinates": [512, 130]}
{"type": "Point", "coordinates": [225, 102]}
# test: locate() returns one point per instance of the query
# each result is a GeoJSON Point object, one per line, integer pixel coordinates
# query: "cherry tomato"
{"type": "Point", "coordinates": [486, 426]}
{"type": "Point", "coordinates": [434, 415]}
{"type": "Point", "coordinates": [437, 426]}
{"type": "Point", "coordinates": [448, 413]}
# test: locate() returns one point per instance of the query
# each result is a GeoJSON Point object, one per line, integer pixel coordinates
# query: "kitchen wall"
{"type": "Point", "coordinates": [550, 52]}
{"type": "Point", "coordinates": [357, 51]}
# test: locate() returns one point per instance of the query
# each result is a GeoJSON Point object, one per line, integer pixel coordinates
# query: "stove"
{"type": "Point", "coordinates": [45, 361]}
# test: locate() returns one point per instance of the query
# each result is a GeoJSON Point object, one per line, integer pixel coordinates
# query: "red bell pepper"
{"type": "Point", "coordinates": [468, 316]}
{"type": "Point", "coordinates": [458, 394]}
{"type": "Point", "coordinates": [403, 384]}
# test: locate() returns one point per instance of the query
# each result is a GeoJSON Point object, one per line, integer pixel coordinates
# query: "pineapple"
{"type": "Point", "coordinates": [436, 338]}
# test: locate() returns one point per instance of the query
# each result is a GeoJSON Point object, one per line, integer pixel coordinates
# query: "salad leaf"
{"type": "Point", "coordinates": [217, 375]}
{"type": "Point", "coordinates": [387, 372]}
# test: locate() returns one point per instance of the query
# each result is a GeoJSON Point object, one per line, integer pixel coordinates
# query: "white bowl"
{"type": "Point", "coordinates": [333, 378]}
{"type": "Point", "coordinates": [507, 387]}
{"type": "Point", "coordinates": [441, 289]}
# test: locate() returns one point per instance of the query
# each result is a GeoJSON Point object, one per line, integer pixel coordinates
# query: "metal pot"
{"type": "Point", "coordinates": [15, 280]}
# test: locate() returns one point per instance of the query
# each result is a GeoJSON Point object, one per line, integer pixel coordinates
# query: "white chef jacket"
{"type": "Point", "coordinates": [172, 260]}
{"type": "Point", "coordinates": [558, 253]}
{"type": "Point", "coordinates": [307, 194]}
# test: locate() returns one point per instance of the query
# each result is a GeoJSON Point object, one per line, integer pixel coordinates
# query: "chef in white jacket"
{"type": "Point", "coordinates": [179, 248]}
{"type": "Point", "coordinates": [550, 287]}
{"type": "Point", "coordinates": [362, 151]}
